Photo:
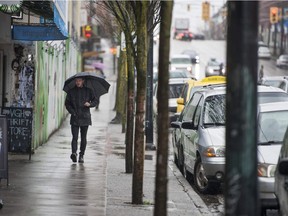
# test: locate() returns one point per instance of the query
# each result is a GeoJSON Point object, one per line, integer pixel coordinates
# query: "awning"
{"type": "Point", "coordinates": [37, 33]}
{"type": "Point", "coordinates": [51, 27]}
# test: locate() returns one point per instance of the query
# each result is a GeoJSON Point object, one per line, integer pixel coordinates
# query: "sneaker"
{"type": "Point", "coordinates": [81, 159]}
{"type": "Point", "coordinates": [73, 157]}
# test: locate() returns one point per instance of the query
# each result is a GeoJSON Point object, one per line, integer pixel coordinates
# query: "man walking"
{"type": "Point", "coordinates": [78, 102]}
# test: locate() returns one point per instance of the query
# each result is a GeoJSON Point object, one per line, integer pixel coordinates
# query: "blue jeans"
{"type": "Point", "coordinates": [75, 133]}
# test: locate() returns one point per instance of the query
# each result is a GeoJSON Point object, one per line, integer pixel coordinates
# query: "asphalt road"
{"type": "Point", "coordinates": [215, 49]}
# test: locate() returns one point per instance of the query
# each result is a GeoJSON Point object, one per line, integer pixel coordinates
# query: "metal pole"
{"type": "Point", "coordinates": [275, 39]}
{"type": "Point", "coordinates": [241, 192]}
{"type": "Point", "coordinates": [282, 29]}
{"type": "Point", "coordinates": [149, 94]}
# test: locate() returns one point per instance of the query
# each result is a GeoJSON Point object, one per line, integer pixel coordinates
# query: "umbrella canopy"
{"type": "Point", "coordinates": [98, 84]}
{"type": "Point", "coordinates": [98, 65]}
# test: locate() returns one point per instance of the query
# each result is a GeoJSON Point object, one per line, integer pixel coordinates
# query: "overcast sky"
{"type": "Point", "coordinates": [195, 13]}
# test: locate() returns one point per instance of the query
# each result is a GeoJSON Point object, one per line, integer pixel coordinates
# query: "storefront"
{"type": "Point", "coordinates": [35, 59]}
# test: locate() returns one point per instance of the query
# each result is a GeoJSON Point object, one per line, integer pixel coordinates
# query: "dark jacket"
{"type": "Point", "coordinates": [74, 103]}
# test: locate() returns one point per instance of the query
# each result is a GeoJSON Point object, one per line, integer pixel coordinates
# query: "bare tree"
{"type": "Point", "coordinates": [132, 18]}
{"type": "Point", "coordinates": [141, 65]}
{"type": "Point", "coordinates": [162, 94]}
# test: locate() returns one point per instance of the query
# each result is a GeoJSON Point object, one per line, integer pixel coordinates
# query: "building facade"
{"type": "Point", "coordinates": [39, 50]}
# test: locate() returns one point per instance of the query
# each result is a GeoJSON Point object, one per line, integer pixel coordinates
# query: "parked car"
{"type": "Point", "coordinates": [264, 52]}
{"type": "Point", "coordinates": [281, 177]}
{"type": "Point", "coordinates": [276, 81]}
{"type": "Point", "coordinates": [192, 85]}
{"type": "Point", "coordinates": [172, 74]}
{"type": "Point", "coordinates": [282, 61]}
{"type": "Point", "coordinates": [272, 124]}
{"type": "Point", "coordinates": [181, 62]}
{"type": "Point", "coordinates": [214, 68]}
{"type": "Point", "coordinates": [198, 135]}
{"type": "Point", "coordinates": [185, 36]}
{"type": "Point", "coordinates": [193, 55]}
{"type": "Point", "coordinates": [199, 37]}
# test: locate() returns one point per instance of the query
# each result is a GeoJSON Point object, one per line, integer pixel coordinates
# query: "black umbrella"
{"type": "Point", "coordinates": [98, 84]}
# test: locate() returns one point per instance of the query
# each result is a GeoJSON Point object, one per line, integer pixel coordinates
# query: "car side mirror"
{"type": "Point", "coordinates": [188, 125]}
{"type": "Point", "coordinates": [283, 167]}
{"type": "Point", "coordinates": [175, 124]}
{"type": "Point", "coordinates": [180, 101]}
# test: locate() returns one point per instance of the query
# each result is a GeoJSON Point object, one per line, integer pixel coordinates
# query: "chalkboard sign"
{"type": "Point", "coordinates": [3, 148]}
{"type": "Point", "coordinates": [19, 128]}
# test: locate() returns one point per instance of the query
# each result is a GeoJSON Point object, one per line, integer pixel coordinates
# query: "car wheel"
{"type": "Point", "coordinates": [180, 159]}
{"type": "Point", "coordinates": [200, 180]}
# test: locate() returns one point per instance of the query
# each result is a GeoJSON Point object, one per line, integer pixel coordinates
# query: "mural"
{"type": "Point", "coordinates": [23, 65]}
{"type": "Point", "coordinates": [38, 72]}
{"type": "Point", "coordinates": [54, 64]}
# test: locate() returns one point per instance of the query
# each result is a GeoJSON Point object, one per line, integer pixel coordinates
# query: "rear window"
{"type": "Point", "coordinates": [270, 97]}
{"type": "Point", "coordinates": [179, 74]}
{"type": "Point", "coordinates": [284, 57]}
{"type": "Point", "coordinates": [175, 90]}
{"type": "Point", "coordinates": [278, 120]}
{"type": "Point", "coordinates": [213, 63]}
{"type": "Point", "coordinates": [263, 49]}
{"type": "Point", "coordinates": [180, 61]}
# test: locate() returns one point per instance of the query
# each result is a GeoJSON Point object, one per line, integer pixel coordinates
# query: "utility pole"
{"type": "Point", "coordinates": [282, 28]}
{"type": "Point", "coordinates": [275, 39]}
{"type": "Point", "coordinates": [241, 191]}
{"type": "Point", "coordinates": [149, 93]}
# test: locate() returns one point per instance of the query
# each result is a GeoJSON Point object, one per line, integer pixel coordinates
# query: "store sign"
{"type": "Point", "coordinates": [19, 123]}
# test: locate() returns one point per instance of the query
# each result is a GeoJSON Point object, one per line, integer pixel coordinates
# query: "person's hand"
{"type": "Point", "coordinates": [87, 104]}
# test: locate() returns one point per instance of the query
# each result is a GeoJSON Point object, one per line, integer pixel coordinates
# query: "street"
{"type": "Point", "coordinates": [215, 49]}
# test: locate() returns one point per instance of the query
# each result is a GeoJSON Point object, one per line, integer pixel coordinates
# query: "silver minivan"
{"type": "Point", "coordinates": [199, 134]}
{"type": "Point", "coordinates": [272, 124]}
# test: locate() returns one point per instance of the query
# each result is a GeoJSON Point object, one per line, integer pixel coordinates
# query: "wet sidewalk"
{"type": "Point", "coordinates": [50, 184]}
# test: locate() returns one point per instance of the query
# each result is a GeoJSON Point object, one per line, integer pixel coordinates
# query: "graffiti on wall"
{"type": "Point", "coordinates": [23, 66]}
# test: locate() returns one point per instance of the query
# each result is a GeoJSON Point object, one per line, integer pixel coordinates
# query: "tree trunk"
{"type": "Point", "coordinates": [162, 109]}
{"type": "Point", "coordinates": [121, 107]}
{"type": "Point", "coordinates": [141, 65]}
{"type": "Point", "coordinates": [117, 118]}
{"type": "Point", "coordinates": [130, 105]}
